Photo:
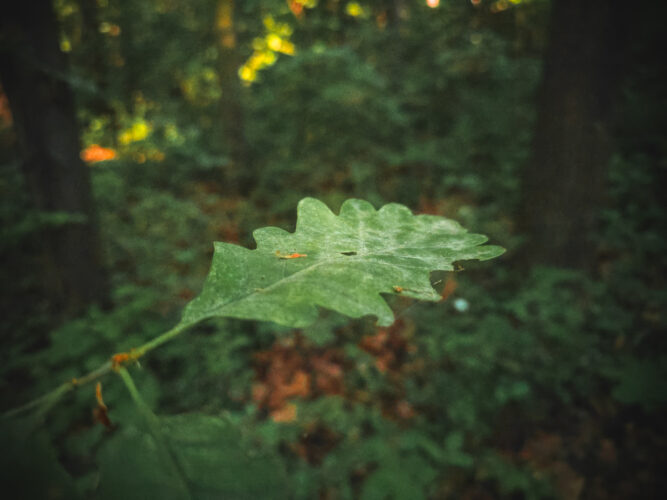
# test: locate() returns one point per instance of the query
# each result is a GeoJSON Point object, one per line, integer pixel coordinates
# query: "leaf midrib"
{"type": "Point", "coordinates": [212, 310]}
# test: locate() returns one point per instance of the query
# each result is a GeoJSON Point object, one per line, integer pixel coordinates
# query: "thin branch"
{"type": "Point", "coordinates": [49, 399]}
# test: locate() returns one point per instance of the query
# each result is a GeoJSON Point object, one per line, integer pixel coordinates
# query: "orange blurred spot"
{"type": "Point", "coordinates": [285, 414]}
{"type": "Point", "coordinates": [381, 20]}
{"type": "Point", "coordinates": [433, 3]}
{"type": "Point", "coordinates": [450, 286]}
{"type": "Point", "coordinates": [383, 361]}
{"type": "Point", "coordinates": [95, 153]}
{"type": "Point", "coordinates": [500, 6]}
{"type": "Point", "coordinates": [293, 370]}
{"type": "Point", "coordinates": [156, 155]}
{"type": "Point", "coordinates": [296, 7]}
{"type": "Point", "coordinates": [5, 113]}
{"type": "Point", "coordinates": [388, 346]}
{"type": "Point", "coordinates": [405, 410]}
{"type": "Point", "coordinates": [260, 392]}
{"type": "Point", "coordinates": [298, 386]}
{"type": "Point", "coordinates": [329, 376]}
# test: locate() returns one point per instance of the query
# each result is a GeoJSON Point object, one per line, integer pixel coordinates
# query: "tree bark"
{"type": "Point", "coordinates": [563, 185]}
{"type": "Point", "coordinates": [32, 70]}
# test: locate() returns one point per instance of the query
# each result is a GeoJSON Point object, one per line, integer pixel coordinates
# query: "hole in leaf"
{"type": "Point", "coordinates": [348, 253]}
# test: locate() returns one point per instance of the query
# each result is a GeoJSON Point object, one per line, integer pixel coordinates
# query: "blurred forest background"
{"type": "Point", "coordinates": [133, 134]}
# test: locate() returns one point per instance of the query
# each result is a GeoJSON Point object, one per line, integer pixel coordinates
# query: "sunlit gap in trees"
{"type": "Point", "coordinates": [496, 6]}
{"type": "Point", "coordinates": [138, 137]}
{"type": "Point", "coordinates": [355, 9]}
{"type": "Point", "coordinates": [501, 5]}
{"type": "Point", "coordinates": [265, 49]}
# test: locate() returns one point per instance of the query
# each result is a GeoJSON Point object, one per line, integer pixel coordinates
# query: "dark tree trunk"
{"type": "Point", "coordinates": [563, 185]}
{"type": "Point", "coordinates": [33, 69]}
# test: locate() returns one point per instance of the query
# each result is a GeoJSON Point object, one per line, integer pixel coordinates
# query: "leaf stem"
{"type": "Point", "coordinates": [161, 339]}
{"type": "Point", "coordinates": [154, 428]}
{"type": "Point", "coordinates": [136, 397]}
{"type": "Point", "coordinates": [51, 398]}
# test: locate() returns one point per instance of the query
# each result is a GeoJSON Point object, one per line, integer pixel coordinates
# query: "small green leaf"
{"type": "Point", "coordinates": [340, 262]}
{"type": "Point", "coordinates": [404, 478]}
{"type": "Point", "coordinates": [212, 462]}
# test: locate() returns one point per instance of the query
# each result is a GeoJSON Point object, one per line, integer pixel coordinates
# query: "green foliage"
{"type": "Point", "coordinates": [641, 382]}
{"type": "Point", "coordinates": [464, 91]}
{"type": "Point", "coordinates": [151, 229]}
{"type": "Point", "coordinates": [508, 352]}
{"type": "Point", "coordinates": [218, 371]}
{"type": "Point", "coordinates": [29, 467]}
{"type": "Point", "coordinates": [322, 137]}
{"type": "Point", "coordinates": [202, 457]}
{"type": "Point", "coordinates": [385, 251]}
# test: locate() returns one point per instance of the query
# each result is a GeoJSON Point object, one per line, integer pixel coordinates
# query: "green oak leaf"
{"type": "Point", "coordinates": [340, 262]}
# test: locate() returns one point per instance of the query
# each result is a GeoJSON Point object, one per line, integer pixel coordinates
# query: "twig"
{"type": "Point", "coordinates": [48, 400]}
